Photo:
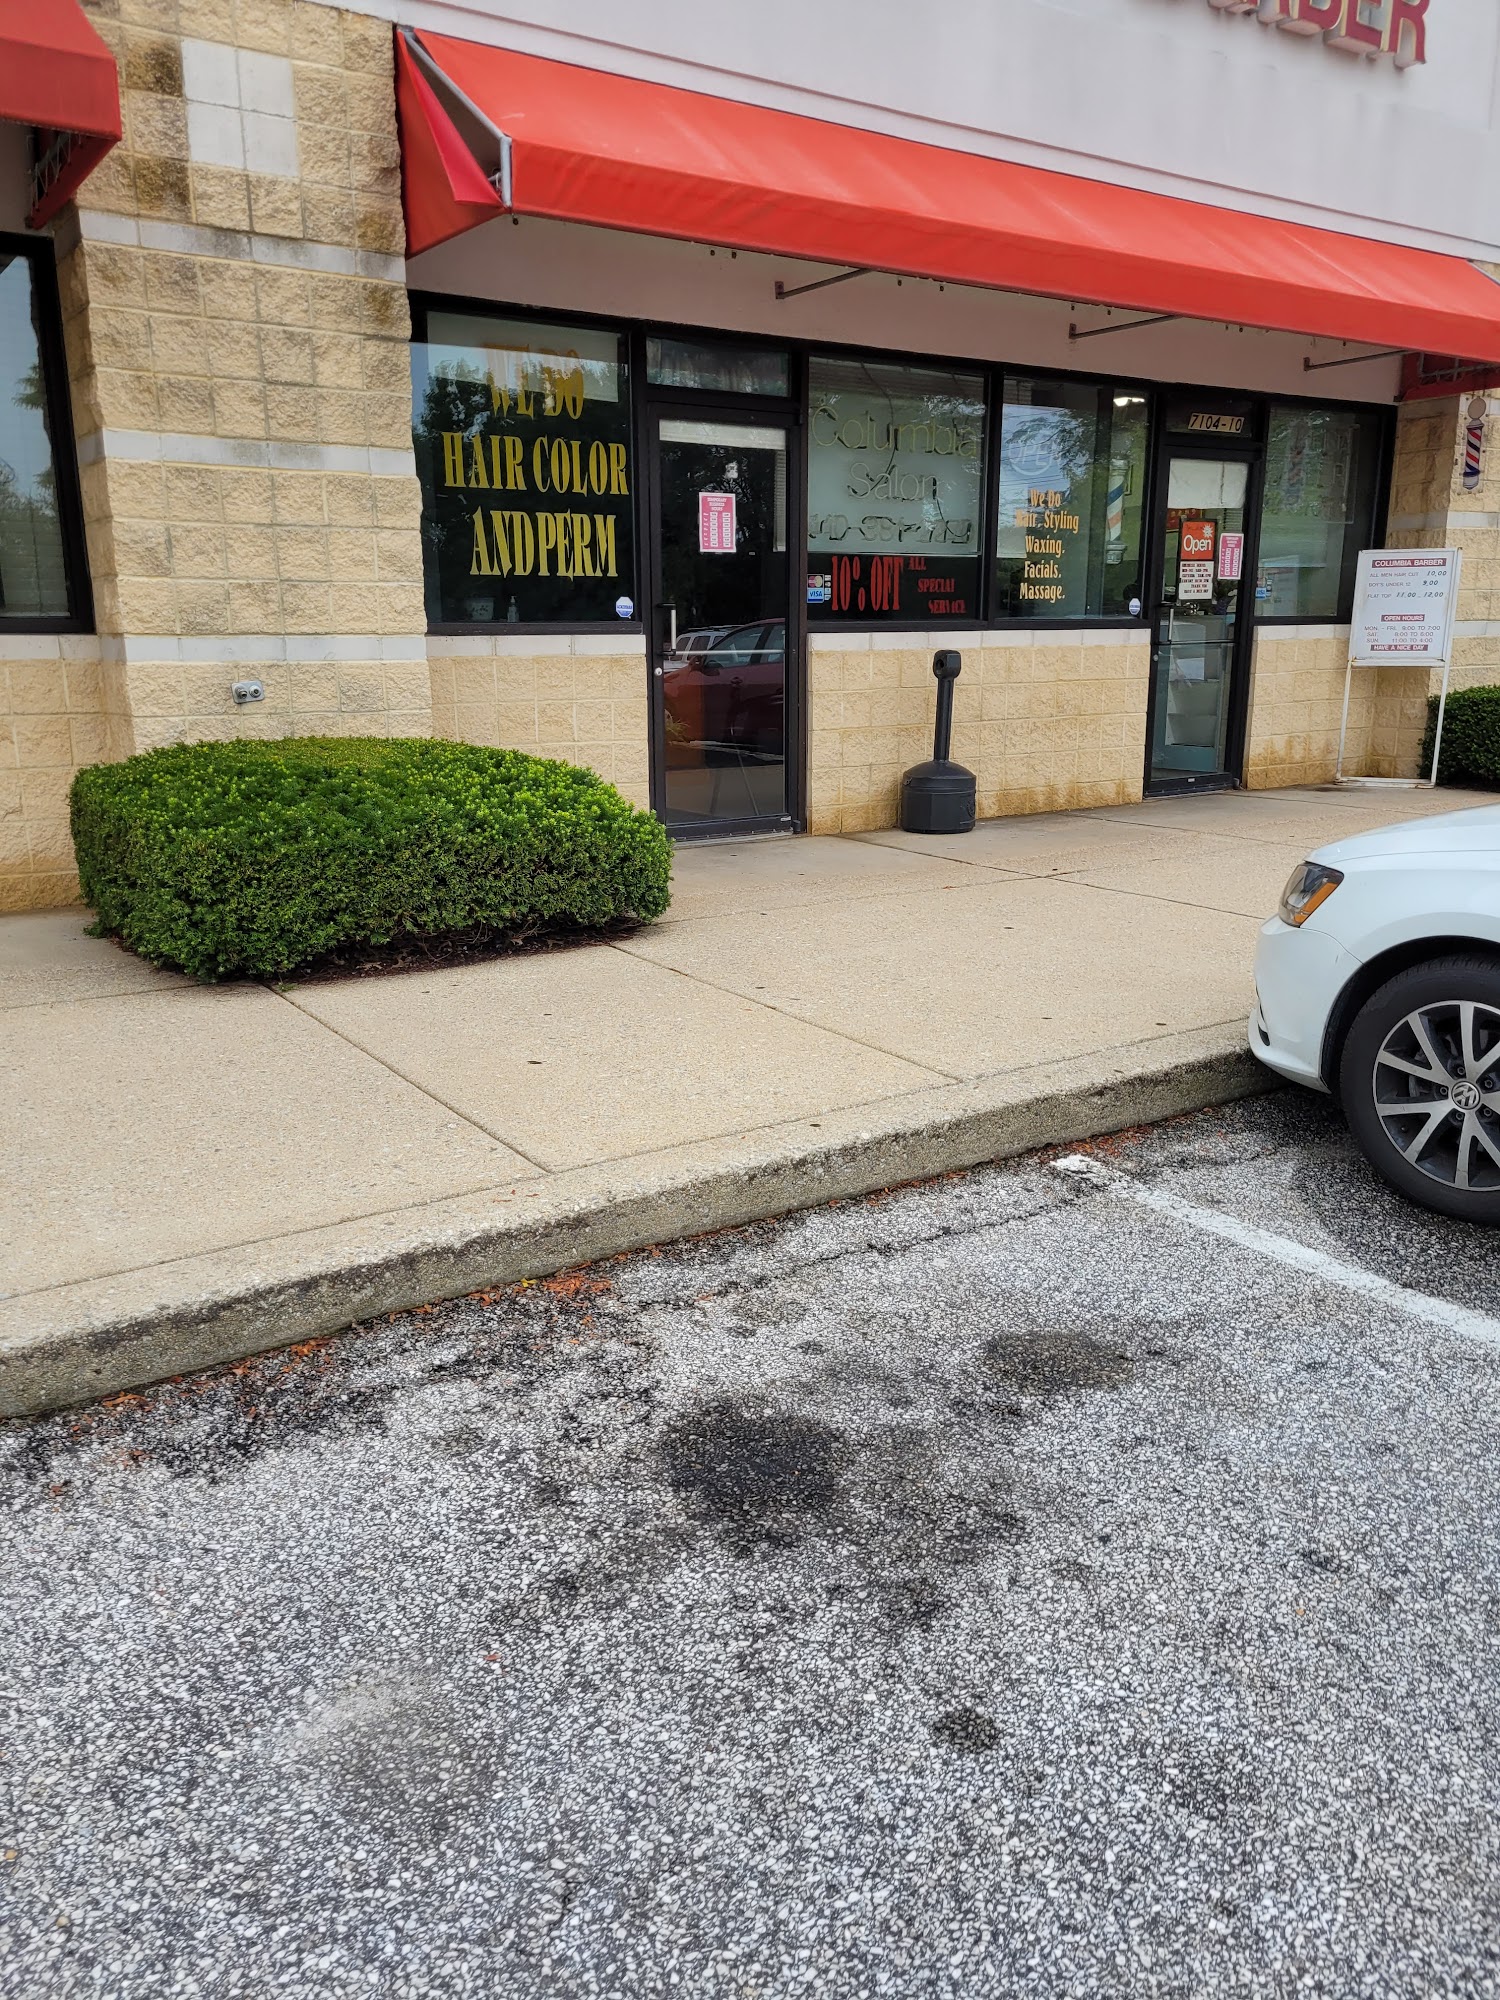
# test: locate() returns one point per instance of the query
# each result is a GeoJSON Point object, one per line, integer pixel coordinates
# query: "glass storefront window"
{"type": "Point", "coordinates": [33, 565]}
{"type": "Point", "coordinates": [895, 473]}
{"type": "Point", "coordinates": [523, 448]}
{"type": "Point", "coordinates": [716, 366]}
{"type": "Point", "coordinates": [1322, 472]}
{"type": "Point", "coordinates": [1068, 535]}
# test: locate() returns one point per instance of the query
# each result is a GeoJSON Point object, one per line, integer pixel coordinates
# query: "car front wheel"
{"type": "Point", "coordinates": [1420, 1083]}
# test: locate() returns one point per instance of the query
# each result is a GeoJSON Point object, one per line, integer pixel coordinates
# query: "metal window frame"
{"type": "Point", "coordinates": [41, 257]}
{"type": "Point", "coordinates": [1158, 394]}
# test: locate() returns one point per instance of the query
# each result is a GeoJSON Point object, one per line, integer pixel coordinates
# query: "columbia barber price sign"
{"type": "Point", "coordinates": [1403, 607]}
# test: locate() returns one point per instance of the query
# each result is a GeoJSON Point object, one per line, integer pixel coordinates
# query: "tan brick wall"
{"type": "Point", "coordinates": [178, 333]}
{"type": "Point", "coordinates": [579, 696]}
{"type": "Point", "coordinates": [54, 717]}
{"type": "Point", "coordinates": [1431, 508]}
{"type": "Point", "coordinates": [1298, 686]}
{"type": "Point", "coordinates": [1046, 721]}
{"type": "Point", "coordinates": [1296, 700]}
{"type": "Point", "coordinates": [237, 344]}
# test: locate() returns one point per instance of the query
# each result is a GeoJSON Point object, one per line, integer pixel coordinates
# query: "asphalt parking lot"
{"type": "Point", "coordinates": [1008, 1586]}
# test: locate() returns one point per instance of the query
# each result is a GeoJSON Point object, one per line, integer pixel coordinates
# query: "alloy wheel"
{"type": "Point", "coordinates": [1437, 1092]}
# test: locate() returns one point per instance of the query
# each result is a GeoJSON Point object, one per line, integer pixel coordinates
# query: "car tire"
{"type": "Point", "coordinates": [1419, 1079]}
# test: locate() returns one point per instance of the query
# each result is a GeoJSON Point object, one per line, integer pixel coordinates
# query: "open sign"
{"type": "Point", "coordinates": [1197, 541]}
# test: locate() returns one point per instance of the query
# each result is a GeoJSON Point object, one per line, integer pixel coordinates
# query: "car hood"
{"type": "Point", "coordinates": [1476, 831]}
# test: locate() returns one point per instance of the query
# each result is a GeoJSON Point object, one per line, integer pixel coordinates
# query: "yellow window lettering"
{"type": "Point", "coordinates": [453, 458]}
{"type": "Point", "coordinates": [522, 544]}
{"type": "Point", "coordinates": [583, 549]}
{"type": "Point", "coordinates": [605, 560]}
{"type": "Point", "coordinates": [478, 476]}
{"type": "Point", "coordinates": [500, 537]}
{"type": "Point", "coordinates": [546, 541]}
{"type": "Point", "coordinates": [570, 391]}
{"type": "Point", "coordinates": [539, 466]}
{"type": "Point", "coordinates": [558, 464]}
{"type": "Point", "coordinates": [598, 468]}
{"type": "Point", "coordinates": [617, 472]}
{"type": "Point", "coordinates": [480, 563]}
{"type": "Point", "coordinates": [515, 478]}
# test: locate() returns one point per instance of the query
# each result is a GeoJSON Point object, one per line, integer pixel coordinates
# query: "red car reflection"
{"type": "Point", "coordinates": [728, 701]}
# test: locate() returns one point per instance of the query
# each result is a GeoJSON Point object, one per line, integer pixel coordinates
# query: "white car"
{"type": "Point", "coordinates": [1379, 980]}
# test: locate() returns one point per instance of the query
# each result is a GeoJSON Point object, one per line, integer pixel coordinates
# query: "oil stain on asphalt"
{"type": "Point", "coordinates": [754, 1473]}
{"type": "Point", "coordinates": [983, 1590]}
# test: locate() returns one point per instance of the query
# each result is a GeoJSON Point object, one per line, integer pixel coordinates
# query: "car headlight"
{"type": "Point", "coordinates": [1309, 889]}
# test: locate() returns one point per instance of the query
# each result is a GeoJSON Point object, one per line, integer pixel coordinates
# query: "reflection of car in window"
{"type": "Point", "coordinates": [726, 700]}
{"type": "Point", "coordinates": [698, 640]}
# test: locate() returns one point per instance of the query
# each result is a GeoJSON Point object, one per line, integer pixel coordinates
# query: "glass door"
{"type": "Point", "coordinates": [722, 635]}
{"type": "Point", "coordinates": [1202, 625]}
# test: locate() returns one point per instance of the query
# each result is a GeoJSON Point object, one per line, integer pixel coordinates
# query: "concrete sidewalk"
{"type": "Point", "coordinates": [192, 1173]}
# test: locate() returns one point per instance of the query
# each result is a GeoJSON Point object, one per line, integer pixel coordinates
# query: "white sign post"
{"type": "Point", "coordinates": [1404, 606]}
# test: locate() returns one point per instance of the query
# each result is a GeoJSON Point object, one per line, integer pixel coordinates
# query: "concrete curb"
{"type": "Point", "coordinates": [82, 1341]}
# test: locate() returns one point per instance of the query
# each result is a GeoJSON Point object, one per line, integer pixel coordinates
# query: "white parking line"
{"type": "Point", "coordinates": [1316, 1263]}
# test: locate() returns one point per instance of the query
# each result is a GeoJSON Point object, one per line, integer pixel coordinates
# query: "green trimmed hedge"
{"type": "Point", "coordinates": [1471, 738]}
{"type": "Point", "coordinates": [259, 857]}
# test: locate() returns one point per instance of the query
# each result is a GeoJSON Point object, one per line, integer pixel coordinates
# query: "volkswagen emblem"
{"type": "Point", "coordinates": [1466, 1096]}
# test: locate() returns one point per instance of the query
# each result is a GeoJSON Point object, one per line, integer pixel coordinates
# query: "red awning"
{"type": "Point", "coordinates": [443, 188]}
{"type": "Point", "coordinates": [590, 147]}
{"type": "Point", "coordinates": [57, 75]}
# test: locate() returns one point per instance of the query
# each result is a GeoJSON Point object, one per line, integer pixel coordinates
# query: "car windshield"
{"type": "Point", "coordinates": [749, 643]}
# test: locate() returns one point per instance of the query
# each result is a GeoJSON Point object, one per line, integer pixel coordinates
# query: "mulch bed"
{"type": "Point", "coordinates": [441, 954]}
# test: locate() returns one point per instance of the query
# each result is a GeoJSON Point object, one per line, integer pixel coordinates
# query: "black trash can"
{"type": "Point", "coordinates": [939, 796]}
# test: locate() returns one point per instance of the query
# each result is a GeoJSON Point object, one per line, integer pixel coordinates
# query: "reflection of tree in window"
{"type": "Point", "coordinates": [457, 399]}
{"type": "Point", "coordinates": [522, 443]}
{"type": "Point", "coordinates": [1321, 469]}
{"type": "Point", "coordinates": [33, 575]}
{"type": "Point", "coordinates": [895, 468]}
{"type": "Point", "coordinates": [1074, 451]}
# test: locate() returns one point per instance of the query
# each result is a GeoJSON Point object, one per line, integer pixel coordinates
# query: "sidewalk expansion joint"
{"type": "Point", "coordinates": [474, 1124]}
{"type": "Point", "coordinates": [856, 1041]}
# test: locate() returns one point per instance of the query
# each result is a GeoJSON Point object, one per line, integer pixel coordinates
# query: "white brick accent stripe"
{"type": "Point", "coordinates": [536, 645]}
{"type": "Point", "coordinates": [250, 648]}
{"type": "Point", "coordinates": [186, 448]}
{"type": "Point", "coordinates": [877, 641]}
{"type": "Point", "coordinates": [1445, 523]}
{"type": "Point", "coordinates": [63, 646]}
{"type": "Point", "coordinates": [1271, 633]}
{"type": "Point", "coordinates": [194, 240]}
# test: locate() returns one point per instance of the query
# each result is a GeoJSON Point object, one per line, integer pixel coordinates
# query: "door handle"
{"type": "Point", "coordinates": [671, 611]}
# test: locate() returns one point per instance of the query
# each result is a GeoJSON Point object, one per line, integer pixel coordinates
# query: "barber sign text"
{"type": "Point", "coordinates": [1394, 28]}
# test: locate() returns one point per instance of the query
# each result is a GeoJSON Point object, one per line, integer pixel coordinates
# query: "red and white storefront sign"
{"type": "Point", "coordinates": [716, 524]}
{"type": "Point", "coordinates": [1404, 603]}
{"type": "Point", "coordinates": [1395, 28]}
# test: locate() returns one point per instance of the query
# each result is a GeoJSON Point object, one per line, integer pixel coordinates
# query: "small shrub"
{"type": "Point", "coordinates": [258, 857]}
{"type": "Point", "coordinates": [1470, 752]}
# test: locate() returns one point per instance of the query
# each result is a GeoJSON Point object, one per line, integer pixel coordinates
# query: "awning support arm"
{"type": "Point", "coordinates": [443, 84]}
{"type": "Point", "coordinates": [1351, 360]}
{"type": "Point", "coordinates": [1119, 326]}
{"type": "Point", "coordinates": [817, 285]}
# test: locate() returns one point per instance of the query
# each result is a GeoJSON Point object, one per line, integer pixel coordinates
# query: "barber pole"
{"type": "Point", "coordinates": [1473, 452]}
